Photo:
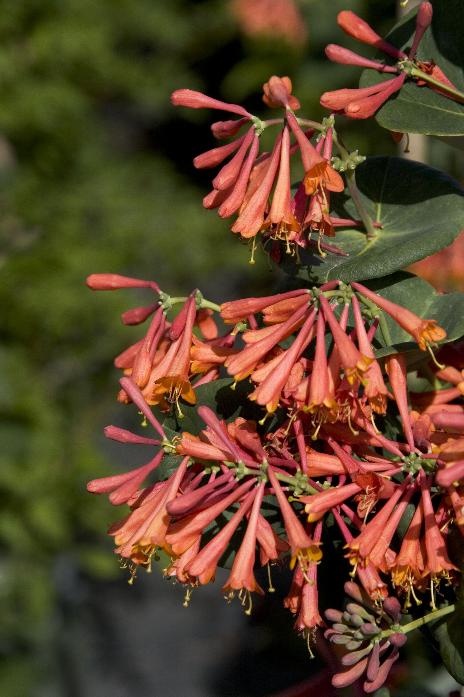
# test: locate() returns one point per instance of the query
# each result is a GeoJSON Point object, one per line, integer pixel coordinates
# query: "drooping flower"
{"type": "Point", "coordinates": [424, 331]}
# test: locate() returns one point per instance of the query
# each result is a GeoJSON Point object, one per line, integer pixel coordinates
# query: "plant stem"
{"type": "Point", "coordinates": [431, 617]}
{"type": "Point", "coordinates": [435, 615]}
{"type": "Point", "coordinates": [207, 304]}
{"type": "Point", "coordinates": [415, 72]}
{"type": "Point", "coordinates": [377, 312]}
{"type": "Point", "coordinates": [354, 191]}
{"type": "Point", "coordinates": [363, 214]}
{"type": "Point", "coordinates": [311, 124]}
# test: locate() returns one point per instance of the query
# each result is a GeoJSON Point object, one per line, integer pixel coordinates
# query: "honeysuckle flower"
{"type": "Point", "coordinates": [302, 548]}
{"type": "Point", "coordinates": [204, 563]}
{"type": "Point", "coordinates": [318, 171]}
{"type": "Point", "coordinates": [408, 569]}
{"type": "Point", "coordinates": [121, 487]}
{"type": "Point", "coordinates": [269, 390]}
{"type": "Point", "coordinates": [113, 281]}
{"type": "Point", "coordinates": [169, 380]}
{"type": "Point", "coordinates": [354, 363]}
{"type": "Point", "coordinates": [321, 397]}
{"type": "Point", "coordinates": [437, 562]}
{"type": "Point", "coordinates": [281, 221]}
{"type": "Point", "coordinates": [252, 214]}
{"type": "Point", "coordinates": [271, 546]}
{"type": "Point", "coordinates": [423, 331]}
{"type": "Point", "coordinates": [197, 100]}
{"type": "Point", "coordinates": [241, 577]}
{"type": "Point", "coordinates": [309, 617]}
{"type": "Point", "coordinates": [364, 102]}
{"type": "Point", "coordinates": [238, 310]}
{"type": "Point", "coordinates": [185, 532]}
{"type": "Point", "coordinates": [144, 530]}
{"type": "Point", "coordinates": [278, 93]}
{"type": "Point", "coordinates": [357, 28]}
{"type": "Point", "coordinates": [375, 389]}
{"type": "Point", "coordinates": [243, 363]}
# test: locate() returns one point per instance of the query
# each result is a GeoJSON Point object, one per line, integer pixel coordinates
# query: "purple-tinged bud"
{"type": "Point", "coordinates": [353, 645]}
{"type": "Point", "coordinates": [349, 676]}
{"type": "Point", "coordinates": [355, 609]}
{"type": "Point", "coordinates": [393, 607]}
{"type": "Point", "coordinates": [374, 663]}
{"type": "Point", "coordinates": [370, 629]}
{"type": "Point", "coordinates": [341, 639]}
{"type": "Point", "coordinates": [349, 659]}
{"type": "Point", "coordinates": [333, 615]}
{"type": "Point", "coordinates": [398, 639]}
{"type": "Point", "coordinates": [382, 673]}
{"type": "Point", "coordinates": [353, 590]}
{"type": "Point", "coordinates": [340, 627]}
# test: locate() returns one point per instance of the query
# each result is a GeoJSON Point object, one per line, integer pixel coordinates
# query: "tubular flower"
{"type": "Point", "coordinates": [425, 332]}
{"type": "Point", "coordinates": [316, 456]}
{"type": "Point", "coordinates": [364, 102]}
{"type": "Point", "coordinates": [257, 187]}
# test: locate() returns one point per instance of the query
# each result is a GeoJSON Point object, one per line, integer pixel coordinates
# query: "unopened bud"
{"type": "Point", "coordinates": [353, 590]}
{"type": "Point", "coordinates": [353, 645]}
{"type": "Point", "coordinates": [398, 639]}
{"type": "Point", "coordinates": [369, 629]}
{"type": "Point", "coordinates": [137, 315]}
{"type": "Point", "coordinates": [334, 615]}
{"type": "Point", "coordinates": [113, 281]}
{"type": "Point", "coordinates": [393, 607]}
{"type": "Point", "coordinates": [349, 659]}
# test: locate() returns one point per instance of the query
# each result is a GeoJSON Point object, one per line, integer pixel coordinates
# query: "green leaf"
{"type": "Point", "coordinates": [419, 297]}
{"type": "Point", "coordinates": [450, 640]}
{"type": "Point", "coordinates": [421, 210]}
{"type": "Point", "coordinates": [420, 109]}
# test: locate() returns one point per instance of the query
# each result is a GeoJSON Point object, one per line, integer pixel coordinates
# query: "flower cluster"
{"type": "Point", "coordinates": [372, 635]}
{"type": "Point", "coordinates": [257, 187]}
{"type": "Point", "coordinates": [308, 357]}
{"type": "Point", "coordinates": [363, 102]}
{"type": "Point", "coordinates": [329, 447]}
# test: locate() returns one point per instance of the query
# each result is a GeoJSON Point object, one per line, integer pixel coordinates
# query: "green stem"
{"type": "Point", "coordinates": [411, 626]}
{"type": "Point", "coordinates": [416, 72]}
{"type": "Point", "coordinates": [371, 233]}
{"type": "Point", "coordinates": [378, 314]}
{"type": "Point", "coordinates": [435, 615]}
{"type": "Point", "coordinates": [207, 304]}
{"type": "Point", "coordinates": [311, 124]}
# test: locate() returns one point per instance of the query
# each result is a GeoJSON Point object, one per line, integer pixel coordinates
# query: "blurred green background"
{"type": "Point", "coordinates": [96, 175]}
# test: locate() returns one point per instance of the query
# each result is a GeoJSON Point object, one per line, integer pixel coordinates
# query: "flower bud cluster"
{"type": "Point", "coordinates": [371, 635]}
